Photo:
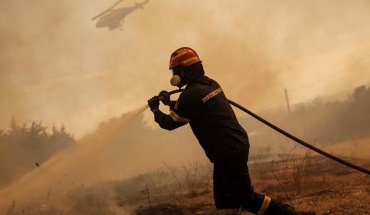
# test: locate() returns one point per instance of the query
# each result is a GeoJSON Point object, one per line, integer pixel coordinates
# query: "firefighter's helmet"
{"type": "Point", "coordinates": [183, 56]}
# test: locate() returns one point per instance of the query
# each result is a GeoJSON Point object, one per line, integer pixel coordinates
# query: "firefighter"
{"type": "Point", "coordinates": [204, 106]}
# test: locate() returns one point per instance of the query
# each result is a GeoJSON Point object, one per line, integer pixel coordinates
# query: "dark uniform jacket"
{"type": "Point", "coordinates": [205, 107]}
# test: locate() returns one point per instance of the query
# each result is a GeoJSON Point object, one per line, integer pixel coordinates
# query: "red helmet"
{"type": "Point", "coordinates": [183, 56]}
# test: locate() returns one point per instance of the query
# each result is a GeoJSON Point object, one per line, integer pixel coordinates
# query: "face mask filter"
{"type": "Point", "coordinates": [175, 80]}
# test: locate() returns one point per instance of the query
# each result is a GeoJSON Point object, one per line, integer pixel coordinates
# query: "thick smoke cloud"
{"type": "Point", "coordinates": [57, 67]}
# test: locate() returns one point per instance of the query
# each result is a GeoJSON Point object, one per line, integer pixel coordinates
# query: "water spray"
{"type": "Point", "coordinates": [292, 137]}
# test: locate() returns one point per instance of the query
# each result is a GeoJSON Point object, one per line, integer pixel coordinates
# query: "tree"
{"type": "Point", "coordinates": [23, 147]}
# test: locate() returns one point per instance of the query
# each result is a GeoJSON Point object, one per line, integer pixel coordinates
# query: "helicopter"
{"type": "Point", "coordinates": [114, 18]}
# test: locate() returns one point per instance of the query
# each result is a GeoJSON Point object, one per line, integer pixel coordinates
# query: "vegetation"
{"type": "Point", "coordinates": [318, 121]}
{"type": "Point", "coordinates": [23, 148]}
{"type": "Point", "coordinates": [336, 120]}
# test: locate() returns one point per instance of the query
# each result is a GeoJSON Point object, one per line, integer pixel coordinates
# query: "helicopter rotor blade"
{"type": "Point", "coordinates": [119, 1]}
{"type": "Point", "coordinates": [107, 10]}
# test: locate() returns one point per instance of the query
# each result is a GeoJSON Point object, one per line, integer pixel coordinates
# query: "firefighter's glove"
{"type": "Point", "coordinates": [164, 96]}
{"type": "Point", "coordinates": [153, 103]}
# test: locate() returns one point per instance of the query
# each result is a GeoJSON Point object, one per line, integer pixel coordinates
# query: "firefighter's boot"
{"type": "Point", "coordinates": [278, 208]}
{"type": "Point", "coordinates": [234, 211]}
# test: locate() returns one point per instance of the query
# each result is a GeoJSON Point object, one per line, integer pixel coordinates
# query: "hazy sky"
{"type": "Point", "coordinates": [56, 66]}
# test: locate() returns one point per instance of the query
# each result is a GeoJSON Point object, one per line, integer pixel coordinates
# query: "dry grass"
{"type": "Point", "coordinates": [307, 181]}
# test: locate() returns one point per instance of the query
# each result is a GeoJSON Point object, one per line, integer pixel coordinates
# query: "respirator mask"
{"type": "Point", "coordinates": [175, 80]}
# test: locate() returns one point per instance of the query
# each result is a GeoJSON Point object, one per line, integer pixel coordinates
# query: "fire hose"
{"type": "Point", "coordinates": [292, 137]}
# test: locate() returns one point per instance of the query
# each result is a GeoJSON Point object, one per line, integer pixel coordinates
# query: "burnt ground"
{"type": "Point", "coordinates": [304, 180]}
{"type": "Point", "coordinates": [308, 183]}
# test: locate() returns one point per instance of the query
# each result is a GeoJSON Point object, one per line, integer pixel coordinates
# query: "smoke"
{"type": "Point", "coordinates": [119, 150]}
{"type": "Point", "coordinates": [57, 67]}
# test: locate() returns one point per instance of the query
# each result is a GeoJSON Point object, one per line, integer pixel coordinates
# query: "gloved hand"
{"type": "Point", "coordinates": [153, 103]}
{"type": "Point", "coordinates": [164, 96]}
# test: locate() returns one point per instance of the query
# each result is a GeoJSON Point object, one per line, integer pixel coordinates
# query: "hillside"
{"type": "Point", "coordinates": [126, 167]}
